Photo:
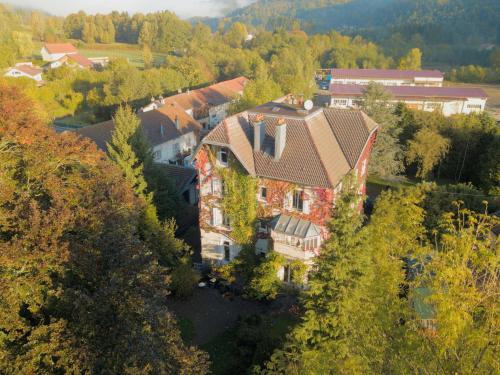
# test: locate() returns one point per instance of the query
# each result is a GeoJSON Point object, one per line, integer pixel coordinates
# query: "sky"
{"type": "Point", "coordinates": [183, 8]}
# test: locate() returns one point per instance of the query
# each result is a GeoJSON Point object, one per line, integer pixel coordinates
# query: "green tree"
{"type": "Point", "coordinates": [386, 159]}
{"type": "Point", "coordinates": [257, 92]}
{"type": "Point", "coordinates": [147, 56]}
{"type": "Point", "coordinates": [318, 345]}
{"type": "Point", "coordinates": [427, 149]}
{"type": "Point", "coordinates": [412, 61]}
{"type": "Point", "coordinates": [121, 151]}
{"type": "Point", "coordinates": [265, 283]}
{"type": "Point", "coordinates": [235, 36]}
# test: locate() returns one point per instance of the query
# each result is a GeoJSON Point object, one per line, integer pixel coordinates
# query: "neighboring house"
{"type": "Point", "coordinates": [185, 180]}
{"type": "Point", "coordinates": [54, 51]}
{"type": "Point", "coordinates": [209, 105]}
{"type": "Point", "coordinates": [173, 134]}
{"type": "Point", "coordinates": [27, 70]}
{"type": "Point", "coordinates": [448, 100]}
{"type": "Point", "coordinates": [74, 60]}
{"type": "Point", "coordinates": [299, 159]}
{"type": "Point", "coordinates": [387, 77]}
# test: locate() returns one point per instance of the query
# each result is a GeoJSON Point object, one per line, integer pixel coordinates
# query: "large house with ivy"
{"type": "Point", "coordinates": [268, 178]}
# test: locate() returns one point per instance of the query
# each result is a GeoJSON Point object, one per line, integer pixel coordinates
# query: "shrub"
{"type": "Point", "coordinates": [265, 283]}
{"type": "Point", "coordinates": [184, 281]}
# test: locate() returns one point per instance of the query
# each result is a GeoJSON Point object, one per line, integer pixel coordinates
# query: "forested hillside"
{"type": "Point", "coordinates": [460, 28]}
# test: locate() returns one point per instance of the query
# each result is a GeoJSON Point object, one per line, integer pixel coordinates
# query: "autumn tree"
{"type": "Point", "coordinates": [80, 291]}
{"type": "Point", "coordinates": [427, 149]}
{"type": "Point", "coordinates": [257, 92]}
{"type": "Point", "coordinates": [411, 61]}
{"type": "Point", "coordinates": [147, 56]}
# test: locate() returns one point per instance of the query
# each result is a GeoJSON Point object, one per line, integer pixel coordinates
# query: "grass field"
{"type": "Point", "coordinates": [120, 50]}
{"type": "Point", "coordinates": [493, 91]}
{"type": "Point", "coordinates": [132, 52]}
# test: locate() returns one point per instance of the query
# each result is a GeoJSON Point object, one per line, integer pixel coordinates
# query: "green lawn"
{"type": "Point", "coordinates": [119, 50]}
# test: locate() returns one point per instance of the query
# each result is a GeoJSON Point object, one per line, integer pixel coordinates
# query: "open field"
{"type": "Point", "coordinates": [120, 50]}
{"type": "Point", "coordinates": [132, 52]}
{"type": "Point", "coordinates": [493, 91]}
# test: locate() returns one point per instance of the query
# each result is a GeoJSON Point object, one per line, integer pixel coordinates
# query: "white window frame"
{"type": "Point", "coordinates": [301, 199]}
{"type": "Point", "coordinates": [221, 152]}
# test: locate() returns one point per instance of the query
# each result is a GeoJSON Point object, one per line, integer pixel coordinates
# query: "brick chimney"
{"type": "Point", "coordinates": [177, 123]}
{"type": "Point", "coordinates": [259, 132]}
{"type": "Point", "coordinates": [279, 139]}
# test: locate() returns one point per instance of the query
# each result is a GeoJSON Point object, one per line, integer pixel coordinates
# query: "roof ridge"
{"type": "Point", "coordinates": [330, 180]}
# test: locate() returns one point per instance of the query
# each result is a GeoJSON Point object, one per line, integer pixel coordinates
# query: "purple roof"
{"type": "Point", "coordinates": [402, 92]}
{"type": "Point", "coordinates": [385, 73]}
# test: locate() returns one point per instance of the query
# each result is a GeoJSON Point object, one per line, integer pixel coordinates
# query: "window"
{"type": "Point", "coordinates": [340, 102]}
{"type": "Point", "coordinates": [298, 200]}
{"type": "Point", "coordinates": [227, 251]}
{"type": "Point", "coordinates": [226, 221]}
{"type": "Point", "coordinates": [216, 217]}
{"type": "Point", "coordinates": [157, 155]}
{"type": "Point", "coordinates": [311, 243]}
{"type": "Point", "coordinates": [474, 106]}
{"type": "Point", "coordinates": [263, 193]}
{"type": "Point", "coordinates": [433, 106]}
{"type": "Point", "coordinates": [287, 273]}
{"type": "Point", "coordinates": [223, 156]}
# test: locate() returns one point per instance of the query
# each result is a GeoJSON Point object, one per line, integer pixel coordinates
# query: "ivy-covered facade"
{"type": "Point", "coordinates": [258, 195]}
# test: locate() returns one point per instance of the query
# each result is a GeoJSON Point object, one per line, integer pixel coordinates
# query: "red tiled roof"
{"type": "Point", "coordinates": [216, 94]}
{"type": "Point", "coordinates": [321, 145]}
{"type": "Point", "coordinates": [385, 73]}
{"type": "Point", "coordinates": [81, 60]}
{"type": "Point", "coordinates": [152, 123]}
{"type": "Point", "coordinates": [408, 92]}
{"type": "Point", "coordinates": [60, 48]}
{"type": "Point", "coordinates": [30, 70]}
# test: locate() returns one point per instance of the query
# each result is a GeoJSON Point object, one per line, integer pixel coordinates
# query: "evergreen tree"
{"type": "Point", "coordinates": [386, 159]}
{"type": "Point", "coordinates": [121, 150]}
{"type": "Point", "coordinates": [318, 345]}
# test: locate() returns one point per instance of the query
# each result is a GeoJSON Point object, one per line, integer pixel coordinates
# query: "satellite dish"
{"type": "Point", "coordinates": [308, 105]}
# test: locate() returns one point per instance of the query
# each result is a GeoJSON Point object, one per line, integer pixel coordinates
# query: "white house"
{"type": "Point", "coordinates": [172, 134]}
{"type": "Point", "coordinates": [387, 77]}
{"type": "Point", "coordinates": [54, 51]}
{"type": "Point", "coordinates": [210, 105]}
{"type": "Point", "coordinates": [27, 70]}
{"type": "Point", "coordinates": [448, 100]}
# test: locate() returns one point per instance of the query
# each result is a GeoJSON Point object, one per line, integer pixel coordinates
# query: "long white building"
{"type": "Point", "coordinates": [387, 77]}
{"type": "Point", "coordinates": [448, 100]}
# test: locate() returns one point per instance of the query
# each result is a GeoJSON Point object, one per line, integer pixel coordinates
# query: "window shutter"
{"type": "Point", "coordinates": [288, 201]}
{"type": "Point", "coordinates": [306, 204]}
{"type": "Point", "coordinates": [216, 217]}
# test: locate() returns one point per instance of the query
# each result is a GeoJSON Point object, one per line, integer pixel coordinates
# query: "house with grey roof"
{"type": "Point", "coordinates": [299, 159]}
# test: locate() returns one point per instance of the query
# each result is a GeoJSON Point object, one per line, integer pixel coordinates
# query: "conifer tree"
{"type": "Point", "coordinates": [386, 159]}
{"type": "Point", "coordinates": [121, 150]}
{"type": "Point", "coordinates": [319, 344]}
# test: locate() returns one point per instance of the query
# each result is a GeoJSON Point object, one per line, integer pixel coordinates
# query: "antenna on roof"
{"type": "Point", "coordinates": [308, 105]}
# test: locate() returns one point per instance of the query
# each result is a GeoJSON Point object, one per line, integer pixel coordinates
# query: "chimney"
{"type": "Point", "coordinates": [259, 132]}
{"type": "Point", "coordinates": [177, 122]}
{"type": "Point", "coordinates": [162, 130]}
{"type": "Point", "coordinates": [279, 139]}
